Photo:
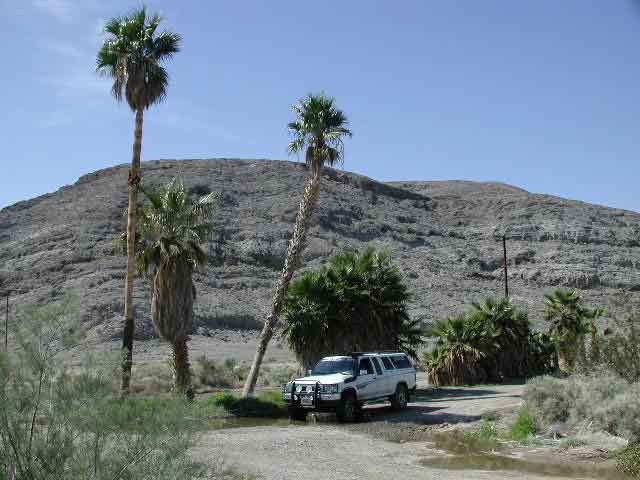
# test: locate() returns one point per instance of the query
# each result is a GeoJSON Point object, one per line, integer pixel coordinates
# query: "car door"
{"type": "Point", "coordinates": [382, 380]}
{"type": "Point", "coordinates": [366, 381]}
{"type": "Point", "coordinates": [390, 375]}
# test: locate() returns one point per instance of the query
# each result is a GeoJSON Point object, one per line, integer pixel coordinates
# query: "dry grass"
{"type": "Point", "coordinates": [599, 402]}
{"type": "Point", "coordinates": [208, 374]}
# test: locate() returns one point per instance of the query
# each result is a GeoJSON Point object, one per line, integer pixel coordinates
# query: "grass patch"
{"type": "Point", "coordinates": [265, 404]}
{"type": "Point", "coordinates": [628, 460]}
{"type": "Point", "coordinates": [524, 427]}
{"type": "Point", "coordinates": [572, 442]}
{"type": "Point", "coordinates": [485, 438]}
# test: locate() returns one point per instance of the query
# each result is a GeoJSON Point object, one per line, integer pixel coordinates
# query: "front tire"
{"type": "Point", "coordinates": [348, 410]}
{"type": "Point", "coordinates": [400, 399]}
{"type": "Point", "coordinates": [298, 414]}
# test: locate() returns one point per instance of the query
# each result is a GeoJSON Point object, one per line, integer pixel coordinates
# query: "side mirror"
{"type": "Point", "coordinates": [363, 372]}
{"type": "Point", "coordinates": [309, 372]}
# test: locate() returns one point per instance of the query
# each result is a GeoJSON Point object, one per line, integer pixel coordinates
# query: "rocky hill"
{"type": "Point", "coordinates": [446, 236]}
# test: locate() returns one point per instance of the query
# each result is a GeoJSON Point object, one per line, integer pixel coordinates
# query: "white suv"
{"type": "Point", "coordinates": [343, 384]}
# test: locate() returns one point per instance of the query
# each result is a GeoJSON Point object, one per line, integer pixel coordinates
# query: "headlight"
{"type": "Point", "coordinates": [329, 388]}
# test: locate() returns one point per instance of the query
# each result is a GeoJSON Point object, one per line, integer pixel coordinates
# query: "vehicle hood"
{"type": "Point", "coordinates": [324, 379]}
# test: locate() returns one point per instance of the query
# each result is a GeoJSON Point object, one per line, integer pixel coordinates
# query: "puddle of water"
{"type": "Point", "coordinates": [501, 463]}
{"type": "Point", "coordinates": [461, 443]}
{"type": "Point", "coordinates": [464, 452]}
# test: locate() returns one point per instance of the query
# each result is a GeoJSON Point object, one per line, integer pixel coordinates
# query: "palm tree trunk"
{"type": "Point", "coordinates": [182, 367]}
{"type": "Point", "coordinates": [134, 179]}
{"type": "Point", "coordinates": [294, 253]}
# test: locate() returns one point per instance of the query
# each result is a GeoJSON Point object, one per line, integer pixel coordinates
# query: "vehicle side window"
{"type": "Point", "coordinates": [401, 361]}
{"type": "Point", "coordinates": [376, 364]}
{"type": "Point", "coordinates": [365, 364]}
{"type": "Point", "coordinates": [387, 363]}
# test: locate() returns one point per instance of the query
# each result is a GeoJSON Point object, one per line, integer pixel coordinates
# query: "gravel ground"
{"type": "Point", "coordinates": [315, 452]}
{"type": "Point", "coordinates": [326, 451]}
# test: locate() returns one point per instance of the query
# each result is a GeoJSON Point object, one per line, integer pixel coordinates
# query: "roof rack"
{"type": "Point", "coordinates": [377, 352]}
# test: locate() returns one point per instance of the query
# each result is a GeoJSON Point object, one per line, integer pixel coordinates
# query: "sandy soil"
{"type": "Point", "coordinates": [326, 450]}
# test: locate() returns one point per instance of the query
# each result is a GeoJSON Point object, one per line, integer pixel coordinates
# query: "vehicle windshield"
{"type": "Point", "coordinates": [327, 367]}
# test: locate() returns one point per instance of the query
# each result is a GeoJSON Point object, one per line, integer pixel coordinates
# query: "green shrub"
{"type": "Point", "coordinates": [265, 404]}
{"type": "Point", "coordinates": [572, 442]}
{"type": "Point", "coordinates": [55, 424]}
{"type": "Point", "coordinates": [524, 427]}
{"type": "Point", "coordinates": [482, 439]}
{"type": "Point", "coordinates": [224, 400]}
{"type": "Point", "coordinates": [628, 460]}
{"type": "Point", "coordinates": [487, 431]}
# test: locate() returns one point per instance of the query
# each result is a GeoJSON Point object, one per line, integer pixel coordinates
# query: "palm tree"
{"type": "Point", "coordinates": [592, 316]}
{"type": "Point", "coordinates": [569, 324]}
{"type": "Point", "coordinates": [318, 131]}
{"type": "Point", "coordinates": [132, 55]}
{"type": "Point", "coordinates": [358, 302]}
{"type": "Point", "coordinates": [171, 229]}
{"type": "Point", "coordinates": [511, 330]}
{"type": "Point", "coordinates": [462, 342]}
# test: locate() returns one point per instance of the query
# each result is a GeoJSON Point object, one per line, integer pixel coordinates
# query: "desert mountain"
{"type": "Point", "coordinates": [446, 236]}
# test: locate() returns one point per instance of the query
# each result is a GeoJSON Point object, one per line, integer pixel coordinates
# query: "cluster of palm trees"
{"type": "Point", "coordinates": [358, 302]}
{"type": "Point", "coordinates": [494, 340]}
{"type": "Point", "coordinates": [163, 240]}
{"type": "Point", "coordinates": [132, 55]}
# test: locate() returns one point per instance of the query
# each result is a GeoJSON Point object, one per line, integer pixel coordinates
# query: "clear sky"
{"type": "Point", "coordinates": [542, 94]}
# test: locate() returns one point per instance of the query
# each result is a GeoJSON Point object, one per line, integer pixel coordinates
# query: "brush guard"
{"type": "Point", "coordinates": [304, 399]}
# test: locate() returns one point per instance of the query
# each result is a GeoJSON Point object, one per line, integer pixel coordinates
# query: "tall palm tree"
{"type": "Point", "coordinates": [170, 232]}
{"type": "Point", "coordinates": [569, 324]}
{"type": "Point", "coordinates": [132, 55]}
{"type": "Point", "coordinates": [318, 131]}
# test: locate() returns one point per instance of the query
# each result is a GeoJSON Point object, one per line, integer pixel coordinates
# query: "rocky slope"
{"type": "Point", "coordinates": [445, 236]}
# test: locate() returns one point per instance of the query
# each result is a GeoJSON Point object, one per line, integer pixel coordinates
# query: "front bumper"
{"type": "Point", "coordinates": [325, 402]}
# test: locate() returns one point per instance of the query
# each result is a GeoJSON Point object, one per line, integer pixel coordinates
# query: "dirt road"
{"type": "Point", "coordinates": [328, 451]}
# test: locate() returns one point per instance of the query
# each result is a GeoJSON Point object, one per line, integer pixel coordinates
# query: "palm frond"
{"type": "Point", "coordinates": [172, 228]}
{"type": "Point", "coordinates": [318, 130]}
{"type": "Point", "coordinates": [132, 55]}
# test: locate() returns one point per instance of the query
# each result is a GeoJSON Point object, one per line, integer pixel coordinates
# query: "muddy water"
{"type": "Point", "coordinates": [457, 453]}
{"type": "Point", "coordinates": [496, 463]}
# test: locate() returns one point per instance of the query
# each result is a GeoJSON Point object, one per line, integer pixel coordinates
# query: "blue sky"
{"type": "Point", "coordinates": [542, 94]}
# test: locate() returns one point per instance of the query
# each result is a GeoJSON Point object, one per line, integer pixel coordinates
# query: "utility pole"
{"type": "Point", "coordinates": [6, 325]}
{"type": "Point", "coordinates": [506, 278]}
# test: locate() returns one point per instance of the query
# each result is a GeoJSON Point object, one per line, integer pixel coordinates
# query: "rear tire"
{"type": "Point", "coordinates": [298, 414]}
{"type": "Point", "coordinates": [348, 410]}
{"type": "Point", "coordinates": [400, 399]}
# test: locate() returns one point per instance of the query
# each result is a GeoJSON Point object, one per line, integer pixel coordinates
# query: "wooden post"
{"type": "Point", "coordinates": [506, 278]}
